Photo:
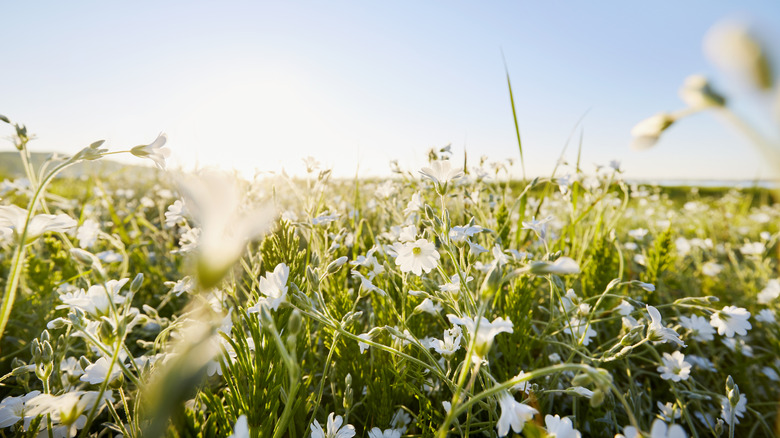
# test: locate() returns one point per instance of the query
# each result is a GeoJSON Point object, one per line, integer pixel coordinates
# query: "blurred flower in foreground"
{"type": "Point", "coordinates": [154, 151]}
{"type": "Point", "coordinates": [561, 266]}
{"type": "Point", "coordinates": [697, 93]}
{"type": "Point", "coordinates": [647, 132]}
{"type": "Point", "coordinates": [215, 202]}
{"type": "Point", "coordinates": [735, 48]}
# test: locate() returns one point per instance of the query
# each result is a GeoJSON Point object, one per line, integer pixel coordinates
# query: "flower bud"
{"type": "Point", "coordinates": [84, 362]}
{"type": "Point", "coordinates": [35, 350]}
{"type": "Point", "coordinates": [265, 316]}
{"type": "Point", "coordinates": [734, 47]}
{"type": "Point", "coordinates": [647, 132]}
{"type": "Point", "coordinates": [138, 281]}
{"type": "Point", "coordinates": [84, 257]}
{"type": "Point", "coordinates": [348, 392]}
{"type": "Point", "coordinates": [697, 93]}
{"type": "Point", "coordinates": [312, 278]}
{"type": "Point", "coordinates": [598, 398]}
{"type": "Point", "coordinates": [295, 322]}
{"type": "Point", "coordinates": [583, 379]}
{"type": "Point", "coordinates": [47, 352]}
{"type": "Point", "coordinates": [336, 264]}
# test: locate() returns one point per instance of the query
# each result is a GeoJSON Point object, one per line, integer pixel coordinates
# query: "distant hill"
{"type": "Point", "coordinates": [11, 166]}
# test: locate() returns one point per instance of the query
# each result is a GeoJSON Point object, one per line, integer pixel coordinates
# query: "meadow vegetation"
{"type": "Point", "coordinates": [449, 300]}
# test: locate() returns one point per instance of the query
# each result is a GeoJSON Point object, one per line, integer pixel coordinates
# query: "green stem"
{"type": "Point", "coordinates": [16, 270]}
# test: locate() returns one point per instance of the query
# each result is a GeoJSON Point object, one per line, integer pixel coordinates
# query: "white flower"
{"type": "Point", "coordinates": [97, 372]}
{"type": "Point", "coordinates": [227, 223]}
{"type": "Point", "coordinates": [414, 205]}
{"type": "Point", "coordinates": [771, 374]}
{"type": "Point", "coordinates": [753, 249]}
{"type": "Point", "coordinates": [733, 47]}
{"type": "Point", "coordinates": [334, 429]}
{"type": "Point", "coordinates": [711, 269]}
{"type": "Point", "coordinates": [513, 413]}
{"type": "Point", "coordinates": [416, 256]}
{"type": "Point", "coordinates": [739, 409]}
{"type": "Point", "coordinates": [450, 344]}
{"type": "Point", "coordinates": [675, 368]}
{"type": "Point", "coordinates": [366, 284]}
{"type": "Point", "coordinates": [560, 427]}
{"type": "Point", "coordinates": [428, 306]}
{"type": "Point", "coordinates": [647, 132]}
{"type": "Point", "coordinates": [189, 240]}
{"type": "Point", "coordinates": [561, 266]}
{"type": "Point", "coordinates": [241, 428]}
{"type": "Point", "coordinates": [537, 226]}
{"type": "Point", "coordinates": [154, 151]}
{"type": "Point", "coordinates": [659, 429]}
{"type": "Point", "coordinates": [475, 248]}
{"type": "Point", "coordinates": [66, 410]}
{"type": "Point", "coordinates": [14, 218]}
{"type": "Point", "coordinates": [386, 189]}
{"type": "Point", "coordinates": [738, 345]}
{"type": "Point", "coordinates": [486, 331]}
{"type": "Point", "coordinates": [311, 164]}
{"type": "Point", "coordinates": [697, 93]}
{"type": "Point", "coordinates": [454, 285]}
{"type": "Point", "coordinates": [87, 233]}
{"type": "Point", "coordinates": [731, 320]}
{"type": "Point", "coordinates": [441, 172]}
{"type": "Point", "coordinates": [274, 286]}
{"type": "Point", "coordinates": [97, 300]}
{"type": "Point", "coordinates": [638, 233]}
{"type": "Point", "coordinates": [581, 391]}
{"type": "Point", "coordinates": [462, 233]}
{"type": "Point", "coordinates": [668, 411]}
{"type": "Point", "coordinates": [184, 285]}
{"type": "Point", "coordinates": [700, 328]}
{"type": "Point", "coordinates": [324, 219]}
{"type": "Point", "coordinates": [12, 409]}
{"type": "Point", "coordinates": [581, 330]}
{"type": "Point", "coordinates": [400, 420]}
{"type": "Point", "coordinates": [766, 315]}
{"type": "Point", "coordinates": [700, 362]}
{"type": "Point", "coordinates": [175, 213]}
{"type": "Point", "coordinates": [388, 433]}
{"type": "Point", "coordinates": [362, 345]}
{"type": "Point", "coordinates": [658, 332]}
{"type": "Point", "coordinates": [624, 308]}
{"type": "Point", "coordinates": [770, 292]}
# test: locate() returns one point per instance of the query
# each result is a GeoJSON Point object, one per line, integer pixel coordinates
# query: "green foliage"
{"type": "Point", "coordinates": [601, 266]}
{"type": "Point", "coordinates": [659, 258]}
{"type": "Point", "coordinates": [284, 245]}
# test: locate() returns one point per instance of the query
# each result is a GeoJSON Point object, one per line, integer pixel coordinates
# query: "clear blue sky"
{"type": "Point", "coordinates": [263, 84]}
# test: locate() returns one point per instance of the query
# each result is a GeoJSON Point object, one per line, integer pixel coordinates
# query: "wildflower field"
{"type": "Point", "coordinates": [451, 300]}
{"type": "Point", "coordinates": [446, 301]}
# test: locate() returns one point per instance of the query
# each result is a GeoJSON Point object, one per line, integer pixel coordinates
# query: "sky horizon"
{"type": "Point", "coordinates": [261, 85]}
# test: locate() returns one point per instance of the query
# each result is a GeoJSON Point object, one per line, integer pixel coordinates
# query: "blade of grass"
{"type": "Point", "coordinates": [514, 116]}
